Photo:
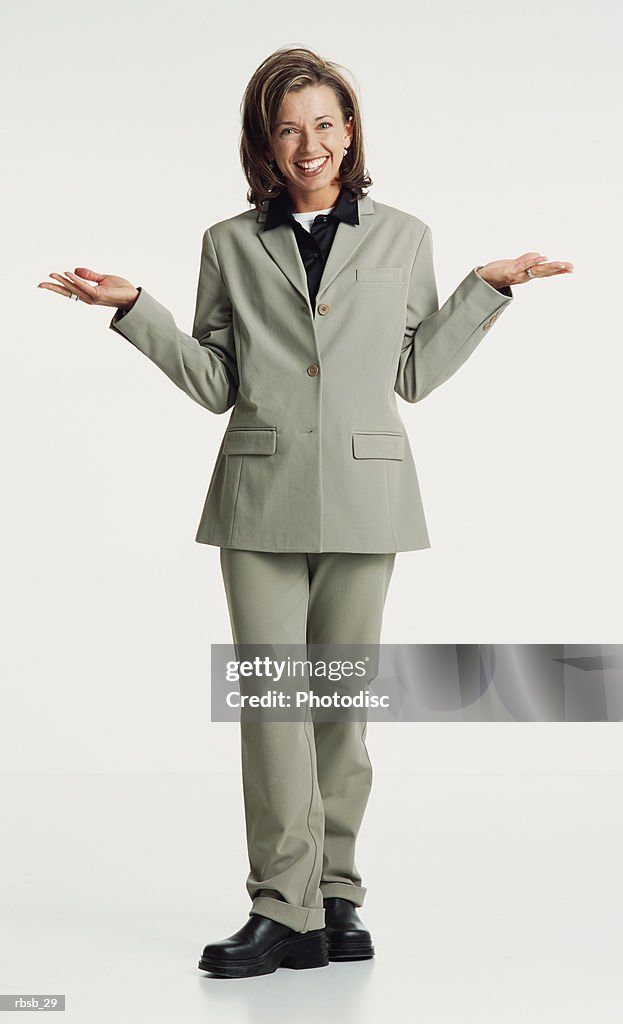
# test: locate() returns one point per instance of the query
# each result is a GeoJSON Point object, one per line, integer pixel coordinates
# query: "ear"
{"type": "Point", "coordinates": [348, 128]}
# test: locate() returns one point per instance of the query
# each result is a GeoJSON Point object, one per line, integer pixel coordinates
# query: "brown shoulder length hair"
{"type": "Point", "coordinates": [285, 69]}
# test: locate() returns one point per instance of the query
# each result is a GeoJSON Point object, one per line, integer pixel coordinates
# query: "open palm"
{"type": "Point", "coordinates": [94, 289]}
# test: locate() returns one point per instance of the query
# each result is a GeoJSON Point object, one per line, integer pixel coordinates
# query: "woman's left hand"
{"type": "Point", "coordinates": [502, 273]}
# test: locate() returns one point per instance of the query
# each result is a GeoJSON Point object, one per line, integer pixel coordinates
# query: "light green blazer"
{"type": "Point", "coordinates": [315, 456]}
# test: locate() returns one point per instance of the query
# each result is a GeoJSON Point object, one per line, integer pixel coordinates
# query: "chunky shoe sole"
{"type": "Point", "coordinates": [297, 954]}
{"type": "Point", "coordinates": [350, 950]}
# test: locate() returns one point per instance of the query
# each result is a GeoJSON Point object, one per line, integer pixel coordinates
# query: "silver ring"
{"type": "Point", "coordinates": [529, 272]}
{"type": "Point", "coordinates": [72, 295]}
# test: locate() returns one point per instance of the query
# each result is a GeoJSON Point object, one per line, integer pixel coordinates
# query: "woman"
{"type": "Point", "coordinates": [314, 309]}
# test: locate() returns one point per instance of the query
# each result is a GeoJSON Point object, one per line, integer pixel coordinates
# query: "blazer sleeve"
{"type": "Point", "coordinates": [203, 364]}
{"type": "Point", "coordinates": [438, 341]}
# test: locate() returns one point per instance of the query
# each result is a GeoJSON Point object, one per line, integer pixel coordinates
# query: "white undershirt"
{"type": "Point", "coordinates": [307, 219]}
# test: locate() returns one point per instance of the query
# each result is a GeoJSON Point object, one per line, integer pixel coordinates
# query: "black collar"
{"type": "Point", "coordinates": [281, 206]}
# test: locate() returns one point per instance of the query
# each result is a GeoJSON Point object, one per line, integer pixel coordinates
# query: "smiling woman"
{"type": "Point", "coordinates": [301, 129]}
{"type": "Point", "coordinates": [314, 310]}
{"type": "Point", "coordinates": [311, 146]}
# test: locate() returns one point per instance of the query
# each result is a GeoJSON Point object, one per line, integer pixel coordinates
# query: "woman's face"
{"type": "Point", "coordinates": [310, 127]}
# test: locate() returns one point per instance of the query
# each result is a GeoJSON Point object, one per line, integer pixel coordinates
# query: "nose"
{"type": "Point", "coordinates": [305, 148]}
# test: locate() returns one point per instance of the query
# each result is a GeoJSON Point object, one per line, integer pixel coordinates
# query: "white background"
{"type": "Point", "coordinates": [493, 887]}
{"type": "Point", "coordinates": [496, 126]}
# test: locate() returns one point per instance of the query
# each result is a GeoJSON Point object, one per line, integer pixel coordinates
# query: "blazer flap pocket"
{"type": "Point", "coordinates": [250, 441]}
{"type": "Point", "coordinates": [378, 445]}
{"type": "Point", "coordinates": [379, 273]}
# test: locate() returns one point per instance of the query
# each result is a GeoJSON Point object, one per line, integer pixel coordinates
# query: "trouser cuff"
{"type": "Point", "coordinates": [301, 919]}
{"type": "Point", "coordinates": [355, 893]}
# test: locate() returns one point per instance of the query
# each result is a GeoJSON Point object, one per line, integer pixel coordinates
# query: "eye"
{"type": "Point", "coordinates": [284, 131]}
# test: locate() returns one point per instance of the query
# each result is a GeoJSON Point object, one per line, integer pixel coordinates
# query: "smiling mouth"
{"type": "Point", "coordinates": [311, 167]}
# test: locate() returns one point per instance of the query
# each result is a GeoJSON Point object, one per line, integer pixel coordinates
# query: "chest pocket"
{"type": "Point", "coordinates": [379, 273]}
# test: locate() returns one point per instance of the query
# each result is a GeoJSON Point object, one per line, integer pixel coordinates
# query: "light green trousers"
{"type": "Point", "coordinates": [305, 783]}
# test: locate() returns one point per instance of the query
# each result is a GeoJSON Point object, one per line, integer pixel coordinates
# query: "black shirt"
{"type": "Point", "coordinates": [313, 245]}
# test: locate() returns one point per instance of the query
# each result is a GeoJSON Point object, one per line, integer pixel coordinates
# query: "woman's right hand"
{"type": "Point", "coordinates": [105, 289]}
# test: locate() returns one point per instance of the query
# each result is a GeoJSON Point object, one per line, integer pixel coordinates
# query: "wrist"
{"type": "Point", "coordinates": [127, 306]}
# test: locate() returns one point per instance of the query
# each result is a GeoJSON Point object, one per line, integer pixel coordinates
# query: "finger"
{"type": "Point", "coordinates": [533, 263]}
{"type": "Point", "coordinates": [549, 269]}
{"type": "Point", "coordinates": [90, 275]}
{"type": "Point", "coordinates": [73, 289]}
{"type": "Point", "coordinates": [89, 288]}
{"type": "Point", "coordinates": [525, 268]}
{"type": "Point", "coordinates": [74, 285]}
{"type": "Point", "coordinates": [55, 288]}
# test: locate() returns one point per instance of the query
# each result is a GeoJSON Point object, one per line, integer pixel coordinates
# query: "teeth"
{"type": "Point", "coordinates": [311, 165]}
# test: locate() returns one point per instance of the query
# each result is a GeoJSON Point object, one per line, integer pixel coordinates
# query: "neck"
{"type": "Point", "coordinates": [321, 199]}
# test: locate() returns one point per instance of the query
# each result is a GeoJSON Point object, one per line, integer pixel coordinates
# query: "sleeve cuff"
{"type": "Point", "coordinates": [506, 290]}
{"type": "Point", "coordinates": [120, 313]}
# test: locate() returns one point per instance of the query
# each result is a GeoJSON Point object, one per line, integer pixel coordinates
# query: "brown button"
{"type": "Point", "coordinates": [486, 325]}
{"type": "Point", "coordinates": [313, 369]}
{"type": "Point", "coordinates": [323, 308]}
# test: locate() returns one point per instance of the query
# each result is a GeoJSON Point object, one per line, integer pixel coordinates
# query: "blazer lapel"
{"type": "Point", "coordinates": [280, 243]}
{"type": "Point", "coordinates": [348, 239]}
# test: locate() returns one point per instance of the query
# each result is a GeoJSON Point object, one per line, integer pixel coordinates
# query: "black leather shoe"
{"type": "Point", "coordinates": [347, 936]}
{"type": "Point", "coordinates": [261, 946]}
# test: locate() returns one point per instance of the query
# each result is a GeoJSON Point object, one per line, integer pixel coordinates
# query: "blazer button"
{"type": "Point", "coordinates": [323, 308]}
{"type": "Point", "coordinates": [313, 369]}
{"type": "Point", "coordinates": [486, 325]}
